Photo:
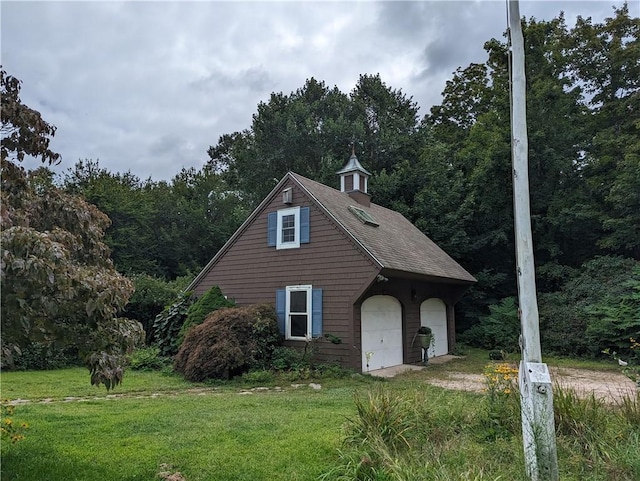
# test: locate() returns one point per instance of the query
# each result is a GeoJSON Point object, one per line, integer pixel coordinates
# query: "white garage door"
{"type": "Point", "coordinates": [381, 318]}
{"type": "Point", "coordinates": [433, 313]}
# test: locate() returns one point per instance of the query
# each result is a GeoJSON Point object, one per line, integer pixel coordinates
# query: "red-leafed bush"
{"type": "Point", "coordinates": [229, 342]}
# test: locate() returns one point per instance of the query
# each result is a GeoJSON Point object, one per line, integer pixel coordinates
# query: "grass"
{"type": "Point", "coordinates": [403, 432]}
{"type": "Point", "coordinates": [473, 361]}
{"type": "Point", "coordinates": [355, 428]}
{"type": "Point", "coordinates": [207, 435]}
{"type": "Point", "coordinates": [74, 382]}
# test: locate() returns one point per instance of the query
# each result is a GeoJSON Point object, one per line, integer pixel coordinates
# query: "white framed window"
{"type": "Point", "coordinates": [288, 228]}
{"type": "Point", "coordinates": [298, 322]}
{"type": "Point", "coordinates": [299, 310]}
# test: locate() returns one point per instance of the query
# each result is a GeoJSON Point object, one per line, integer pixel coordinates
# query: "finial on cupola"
{"type": "Point", "coordinates": [354, 179]}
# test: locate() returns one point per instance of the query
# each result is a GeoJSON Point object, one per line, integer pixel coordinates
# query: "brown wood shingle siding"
{"type": "Point", "coordinates": [250, 271]}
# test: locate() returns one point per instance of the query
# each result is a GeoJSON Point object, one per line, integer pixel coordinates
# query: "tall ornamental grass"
{"type": "Point", "coordinates": [432, 434]}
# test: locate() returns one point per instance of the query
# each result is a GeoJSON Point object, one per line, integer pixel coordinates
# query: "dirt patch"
{"type": "Point", "coordinates": [609, 386]}
{"type": "Point", "coordinates": [459, 381]}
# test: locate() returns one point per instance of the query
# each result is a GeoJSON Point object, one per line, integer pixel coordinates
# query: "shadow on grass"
{"type": "Point", "coordinates": [31, 461]}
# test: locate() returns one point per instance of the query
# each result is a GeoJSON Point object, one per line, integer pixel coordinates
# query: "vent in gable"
{"type": "Point", "coordinates": [287, 195]}
{"type": "Point", "coordinates": [363, 216]}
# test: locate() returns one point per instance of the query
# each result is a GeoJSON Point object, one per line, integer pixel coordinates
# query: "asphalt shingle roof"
{"type": "Point", "coordinates": [395, 243]}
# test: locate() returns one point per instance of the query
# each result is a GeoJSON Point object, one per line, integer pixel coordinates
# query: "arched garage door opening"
{"type": "Point", "coordinates": [381, 323]}
{"type": "Point", "coordinates": [433, 313]}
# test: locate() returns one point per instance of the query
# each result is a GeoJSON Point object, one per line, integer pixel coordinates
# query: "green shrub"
{"type": "Point", "coordinates": [168, 323]}
{"type": "Point", "coordinates": [211, 301]}
{"type": "Point", "coordinates": [43, 357]}
{"type": "Point", "coordinates": [148, 359]}
{"type": "Point", "coordinates": [288, 359]}
{"type": "Point", "coordinates": [149, 299]}
{"type": "Point", "coordinates": [582, 318]}
{"type": "Point", "coordinates": [562, 326]}
{"type": "Point", "coordinates": [615, 320]}
{"type": "Point", "coordinates": [332, 371]}
{"type": "Point", "coordinates": [258, 377]}
{"type": "Point", "coordinates": [230, 341]}
{"type": "Point", "coordinates": [499, 330]}
{"type": "Point", "coordinates": [298, 365]}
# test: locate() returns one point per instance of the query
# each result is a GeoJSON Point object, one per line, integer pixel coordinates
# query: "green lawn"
{"type": "Point", "coordinates": [212, 433]}
{"type": "Point", "coordinates": [223, 437]}
{"type": "Point", "coordinates": [37, 385]}
{"type": "Point", "coordinates": [222, 433]}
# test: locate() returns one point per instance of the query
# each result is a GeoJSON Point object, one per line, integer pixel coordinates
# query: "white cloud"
{"type": "Point", "coordinates": [149, 86]}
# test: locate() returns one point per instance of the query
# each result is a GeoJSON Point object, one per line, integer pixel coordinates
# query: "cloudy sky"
{"type": "Point", "coordinates": [149, 86]}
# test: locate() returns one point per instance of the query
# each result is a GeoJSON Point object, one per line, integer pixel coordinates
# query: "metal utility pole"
{"type": "Point", "coordinates": [538, 430]}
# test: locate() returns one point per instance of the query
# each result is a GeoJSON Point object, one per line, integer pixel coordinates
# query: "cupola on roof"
{"type": "Point", "coordinates": [354, 179]}
{"type": "Point", "coordinates": [353, 165]}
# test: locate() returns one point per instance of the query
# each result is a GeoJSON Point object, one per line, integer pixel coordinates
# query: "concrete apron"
{"type": "Point", "coordinates": [402, 368]}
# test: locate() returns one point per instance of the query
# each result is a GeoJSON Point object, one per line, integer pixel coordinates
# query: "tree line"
{"type": "Point", "coordinates": [448, 172]}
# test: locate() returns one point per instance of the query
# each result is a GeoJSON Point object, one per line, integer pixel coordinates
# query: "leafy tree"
{"type": "Point", "coordinates": [614, 321]}
{"type": "Point", "coordinates": [149, 299]}
{"type": "Point", "coordinates": [577, 319]}
{"type": "Point", "coordinates": [465, 97]}
{"type": "Point", "coordinates": [123, 198]}
{"type": "Point", "coordinates": [299, 132]}
{"type": "Point", "coordinates": [160, 229]}
{"type": "Point", "coordinates": [386, 121]}
{"type": "Point", "coordinates": [310, 131]}
{"type": "Point", "coordinates": [58, 284]}
{"type": "Point", "coordinates": [204, 215]}
{"type": "Point", "coordinates": [472, 125]}
{"type": "Point", "coordinates": [23, 130]}
{"type": "Point", "coordinates": [604, 57]}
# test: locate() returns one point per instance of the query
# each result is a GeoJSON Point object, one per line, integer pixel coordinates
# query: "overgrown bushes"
{"type": "Point", "coordinates": [168, 323]}
{"type": "Point", "coordinates": [499, 330]}
{"type": "Point", "coordinates": [597, 308]}
{"type": "Point", "coordinates": [229, 342]}
{"type": "Point", "coordinates": [38, 356]}
{"type": "Point", "coordinates": [149, 299]}
{"type": "Point", "coordinates": [148, 359]}
{"type": "Point", "coordinates": [210, 301]}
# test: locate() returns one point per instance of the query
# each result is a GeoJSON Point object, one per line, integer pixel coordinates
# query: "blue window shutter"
{"type": "Point", "coordinates": [272, 227]}
{"type": "Point", "coordinates": [316, 313]}
{"type": "Point", "coordinates": [304, 225]}
{"type": "Point", "coordinates": [281, 305]}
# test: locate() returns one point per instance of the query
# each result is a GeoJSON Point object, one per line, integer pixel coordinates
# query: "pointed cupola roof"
{"type": "Point", "coordinates": [354, 180]}
{"type": "Point", "coordinates": [353, 165]}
